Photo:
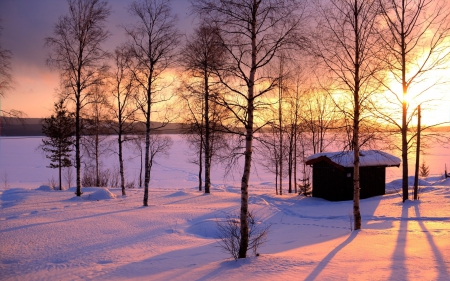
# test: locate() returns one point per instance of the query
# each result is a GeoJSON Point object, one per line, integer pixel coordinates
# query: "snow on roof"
{"type": "Point", "coordinates": [367, 158]}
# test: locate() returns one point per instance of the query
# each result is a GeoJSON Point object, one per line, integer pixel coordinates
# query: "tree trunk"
{"type": "Point", "coordinates": [147, 148]}
{"type": "Point", "coordinates": [59, 172]}
{"type": "Point", "coordinates": [280, 124]}
{"type": "Point", "coordinates": [77, 144]}
{"type": "Point", "coordinates": [200, 163]}
{"type": "Point", "coordinates": [356, 117]}
{"type": "Point", "coordinates": [245, 179]}
{"type": "Point", "coordinates": [97, 156]}
{"type": "Point", "coordinates": [207, 137]}
{"type": "Point", "coordinates": [356, 178]}
{"type": "Point", "coordinates": [243, 245]}
{"type": "Point", "coordinates": [416, 174]}
{"type": "Point", "coordinates": [122, 177]}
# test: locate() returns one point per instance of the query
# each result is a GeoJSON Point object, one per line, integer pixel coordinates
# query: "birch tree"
{"type": "Point", "coordinates": [152, 43]}
{"type": "Point", "coordinates": [94, 140]}
{"type": "Point", "coordinates": [253, 32]}
{"type": "Point", "coordinates": [349, 51]}
{"type": "Point", "coordinates": [76, 51]}
{"type": "Point", "coordinates": [417, 42]}
{"type": "Point", "coordinates": [123, 105]}
{"type": "Point", "coordinates": [202, 56]}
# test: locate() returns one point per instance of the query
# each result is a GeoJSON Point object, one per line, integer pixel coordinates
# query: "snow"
{"type": "Point", "coordinates": [50, 234]}
{"type": "Point", "coordinates": [367, 158]}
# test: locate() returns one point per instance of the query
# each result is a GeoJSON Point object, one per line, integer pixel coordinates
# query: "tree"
{"type": "Point", "coordinates": [5, 70]}
{"type": "Point", "coordinates": [202, 56]}
{"type": "Point", "coordinates": [417, 42]}
{"type": "Point", "coordinates": [58, 146]}
{"type": "Point", "coordinates": [94, 139]}
{"type": "Point", "coordinates": [6, 82]}
{"type": "Point", "coordinates": [253, 32]}
{"type": "Point", "coordinates": [123, 104]}
{"type": "Point", "coordinates": [319, 118]}
{"type": "Point", "coordinates": [349, 51]}
{"type": "Point", "coordinates": [153, 40]}
{"type": "Point", "coordinates": [77, 53]}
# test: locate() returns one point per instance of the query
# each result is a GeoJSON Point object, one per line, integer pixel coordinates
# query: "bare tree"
{"type": "Point", "coordinates": [153, 40]}
{"type": "Point", "coordinates": [6, 83]}
{"type": "Point", "coordinates": [417, 42]}
{"type": "Point", "coordinates": [201, 57]}
{"type": "Point", "coordinates": [253, 32]}
{"type": "Point", "coordinates": [95, 131]}
{"type": "Point", "coordinates": [349, 52]}
{"type": "Point", "coordinates": [77, 53]}
{"type": "Point", "coordinates": [5, 70]}
{"type": "Point", "coordinates": [319, 118]}
{"type": "Point", "coordinates": [123, 105]}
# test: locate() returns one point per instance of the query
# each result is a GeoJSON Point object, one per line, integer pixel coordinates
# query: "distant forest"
{"type": "Point", "coordinates": [12, 127]}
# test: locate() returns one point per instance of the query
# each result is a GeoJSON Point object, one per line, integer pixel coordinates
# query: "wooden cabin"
{"type": "Point", "coordinates": [333, 174]}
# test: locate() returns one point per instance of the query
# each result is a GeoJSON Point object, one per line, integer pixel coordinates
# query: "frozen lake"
{"type": "Point", "coordinates": [22, 164]}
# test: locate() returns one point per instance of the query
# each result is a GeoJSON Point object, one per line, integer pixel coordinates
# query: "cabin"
{"type": "Point", "coordinates": [333, 174]}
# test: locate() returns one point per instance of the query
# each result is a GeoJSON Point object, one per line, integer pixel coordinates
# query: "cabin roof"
{"type": "Point", "coordinates": [368, 158]}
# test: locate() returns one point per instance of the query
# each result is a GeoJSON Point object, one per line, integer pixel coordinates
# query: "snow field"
{"type": "Point", "coordinates": [54, 235]}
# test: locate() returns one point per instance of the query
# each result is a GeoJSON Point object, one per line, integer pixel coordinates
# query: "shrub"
{"type": "Point", "coordinates": [229, 236]}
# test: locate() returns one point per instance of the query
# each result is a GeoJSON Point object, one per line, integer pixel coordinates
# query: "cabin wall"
{"type": "Point", "coordinates": [331, 183]}
{"type": "Point", "coordinates": [334, 184]}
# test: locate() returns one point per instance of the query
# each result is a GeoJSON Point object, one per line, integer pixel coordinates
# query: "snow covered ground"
{"type": "Point", "coordinates": [53, 235]}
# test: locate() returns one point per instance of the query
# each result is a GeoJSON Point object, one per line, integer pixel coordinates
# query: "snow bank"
{"type": "Point", "coordinates": [45, 188]}
{"type": "Point", "coordinates": [101, 194]}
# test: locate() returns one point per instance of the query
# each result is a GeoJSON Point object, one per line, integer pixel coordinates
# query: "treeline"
{"type": "Point", "coordinates": [11, 127]}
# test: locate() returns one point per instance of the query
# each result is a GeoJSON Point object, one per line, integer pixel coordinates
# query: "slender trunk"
{"type": "Point", "coordinates": [207, 137]}
{"type": "Point", "coordinates": [246, 177]}
{"type": "Point", "coordinates": [147, 148]}
{"type": "Point", "coordinates": [356, 116]}
{"type": "Point", "coordinates": [276, 177]}
{"type": "Point", "coordinates": [404, 112]}
{"type": "Point", "coordinates": [97, 166]}
{"type": "Point", "coordinates": [356, 181]}
{"type": "Point", "coordinates": [77, 144]}
{"type": "Point", "coordinates": [291, 157]}
{"type": "Point", "coordinates": [295, 140]}
{"type": "Point", "coordinates": [416, 175]}
{"type": "Point", "coordinates": [244, 227]}
{"type": "Point", "coordinates": [295, 158]}
{"type": "Point", "coordinates": [200, 163]}
{"type": "Point", "coordinates": [280, 121]}
{"type": "Point", "coordinates": [141, 166]}
{"type": "Point", "coordinates": [59, 171]}
{"type": "Point", "coordinates": [122, 177]}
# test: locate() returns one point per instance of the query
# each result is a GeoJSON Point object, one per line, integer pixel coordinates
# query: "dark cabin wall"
{"type": "Point", "coordinates": [334, 184]}
{"type": "Point", "coordinates": [373, 181]}
{"type": "Point", "coordinates": [331, 183]}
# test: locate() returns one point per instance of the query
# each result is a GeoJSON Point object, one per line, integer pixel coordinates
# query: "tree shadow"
{"type": "Point", "coordinates": [443, 273]}
{"type": "Point", "coordinates": [398, 267]}
{"type": "Point", "coordinates": [323, 264]}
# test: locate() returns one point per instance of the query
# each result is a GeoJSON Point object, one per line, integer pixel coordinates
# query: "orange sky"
{"type": "Point", "coordinates": [25, 25]}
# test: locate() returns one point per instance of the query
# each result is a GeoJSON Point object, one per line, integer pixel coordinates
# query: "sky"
{"type": "Point", "coordinates": [26, 23]}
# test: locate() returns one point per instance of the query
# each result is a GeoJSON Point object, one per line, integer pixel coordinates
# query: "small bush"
{"type": "Point", "coordinates": [5, 180]}
{"type": "Point", "coordinates": [424, 170]}
{"type": "Point", "coordinates": [130, 184]}
{"type": "Point", "coordinates": [52, 183]}
{"type": "Point", "coordinates": [229, 236]}
{"type": "Point", "coordinates": [90, 179]}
